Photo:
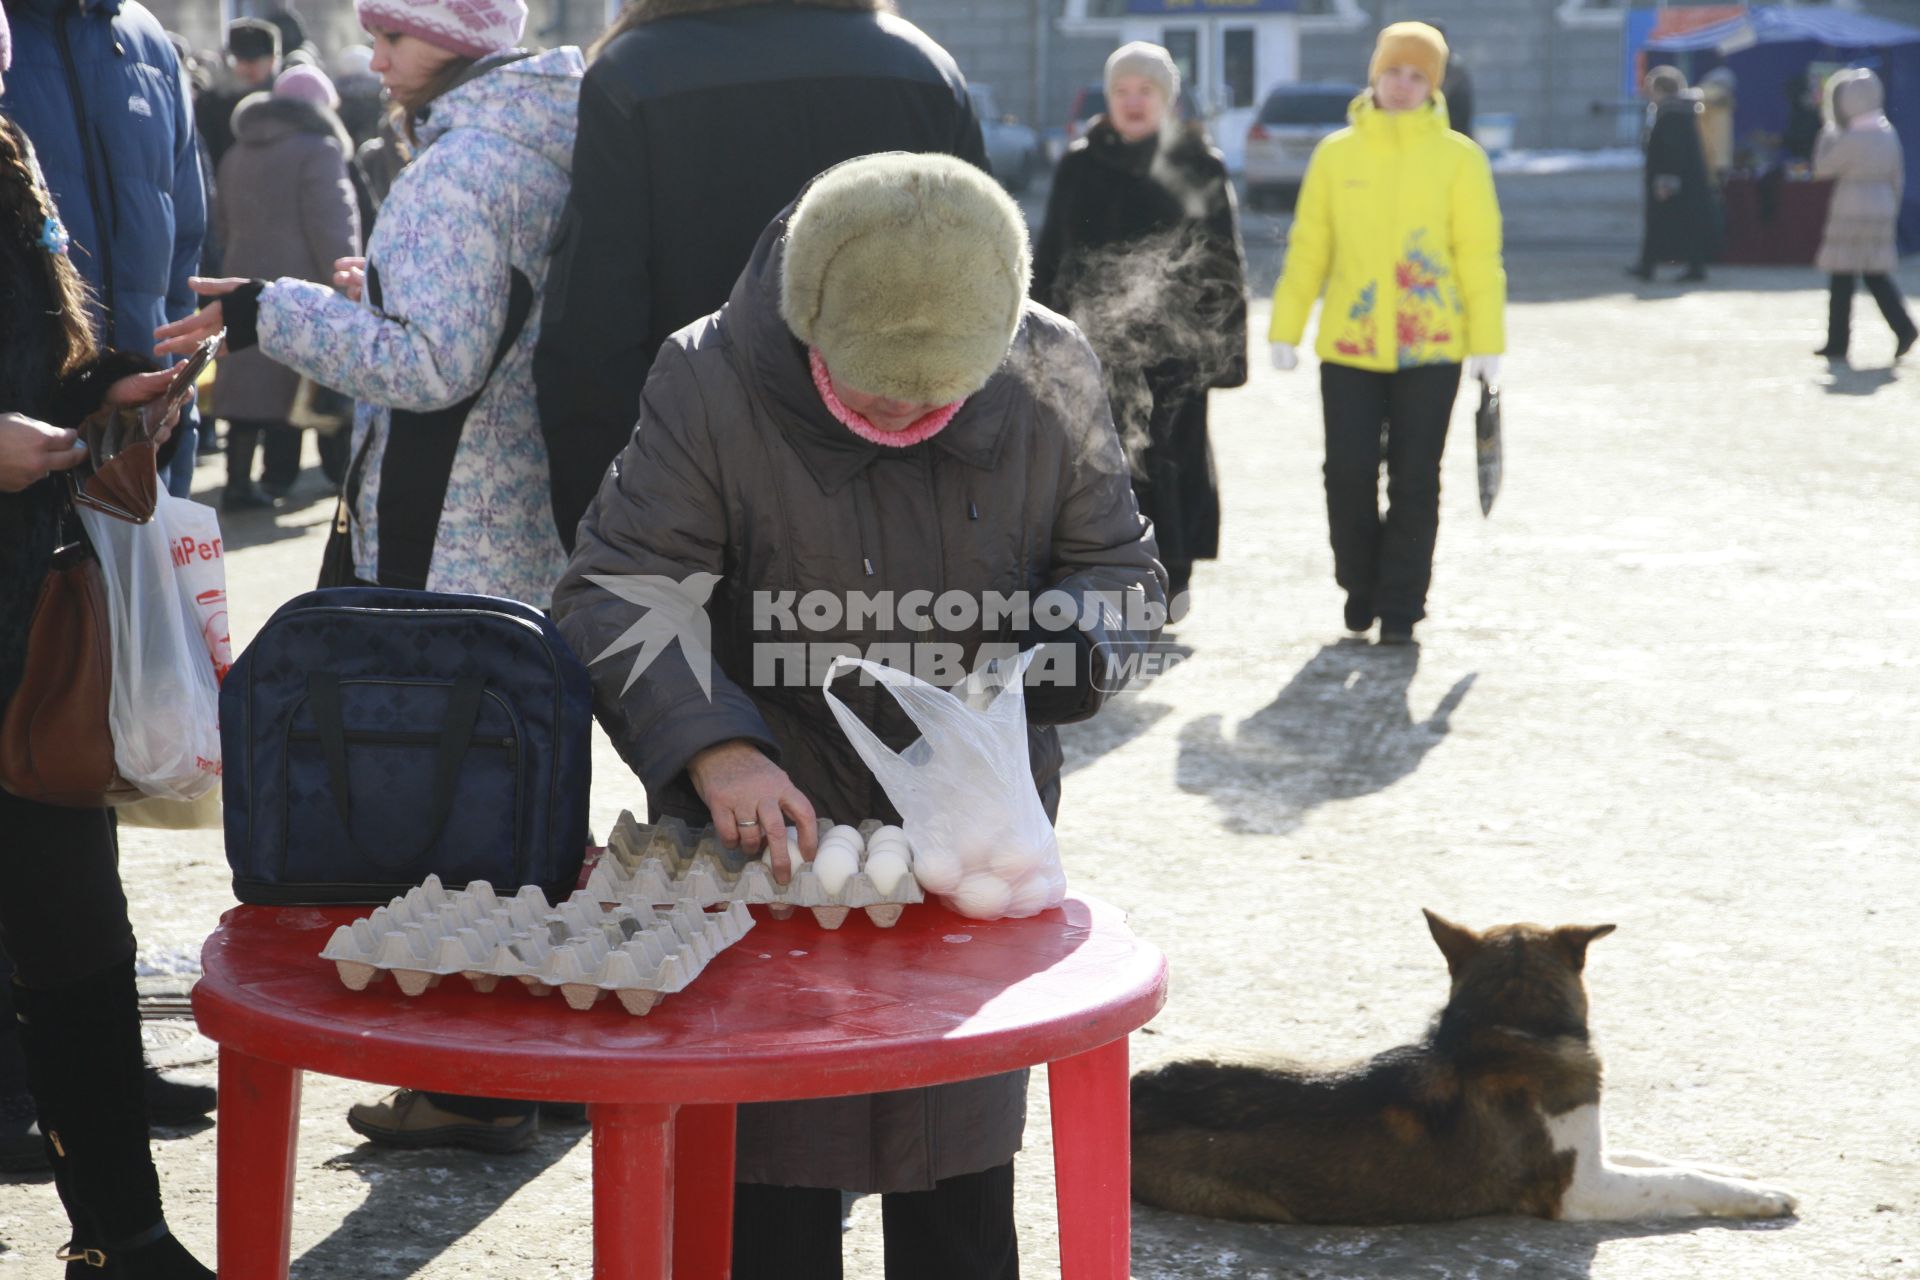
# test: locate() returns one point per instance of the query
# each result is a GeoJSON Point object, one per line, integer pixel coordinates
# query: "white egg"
{"type": "Point", "coordinates": [982, 897]}
{"type": "Point", "coordinates": [1031, 896]}
{"type": "Point", "coordinates": [1012, 860]}
{"type": "Point", "coordinates": [886, 869]}
{"type": "Point", "coordinates": [885, 834]}
{"type": "Point", "coordinates": [937, 869]}
{"type": "Point", "coordinates": [835, 865]}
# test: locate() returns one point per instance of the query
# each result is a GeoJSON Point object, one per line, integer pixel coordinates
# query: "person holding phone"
{"type": "Point", "coordinates": [63, 914]}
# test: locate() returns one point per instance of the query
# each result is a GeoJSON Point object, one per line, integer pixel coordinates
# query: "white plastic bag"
{"type": "Point", "coordinates": [200, 566]}
{"type": "Point", "coordinates": [980, 836]}
{"type": "Point", "coordinates": [163, 710]}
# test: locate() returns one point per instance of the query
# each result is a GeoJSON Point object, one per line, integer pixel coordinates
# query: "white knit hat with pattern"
{"type": "Point", "coordinates": [470, 28]}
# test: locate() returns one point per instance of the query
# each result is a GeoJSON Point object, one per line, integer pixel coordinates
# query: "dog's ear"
{"type": "Point", "coordinates": [1573, 940]}
{"type": "Point", "coordinates": [1457, 944]}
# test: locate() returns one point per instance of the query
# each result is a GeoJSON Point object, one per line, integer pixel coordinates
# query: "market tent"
{"type": "Point", "coordinates": [1769, 44]}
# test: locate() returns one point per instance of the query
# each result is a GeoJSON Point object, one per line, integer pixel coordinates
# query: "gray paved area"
{"type": "Point", "coordinates": [1673, 684]}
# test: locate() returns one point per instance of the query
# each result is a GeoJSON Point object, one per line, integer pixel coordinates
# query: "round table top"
{"type": "Point", "coordinates": [791, 1011]}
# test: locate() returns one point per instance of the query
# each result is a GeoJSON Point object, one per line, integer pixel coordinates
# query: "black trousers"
{"type": "Point", "coordinates": [1385, 563]}
{"type": "Point", "coordinates": [961, 1230]}
{"type": "Point", "coordinates": [281, 446]}
{"type": "Point", "coordinates": [1840, 310]}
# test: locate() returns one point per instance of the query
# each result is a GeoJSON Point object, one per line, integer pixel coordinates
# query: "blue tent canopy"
{"type": "Point", "coordinates": [1770, 45]}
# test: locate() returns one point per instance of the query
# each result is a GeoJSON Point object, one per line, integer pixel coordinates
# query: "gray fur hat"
{"type": "Point", "coordinates": [908, 273]}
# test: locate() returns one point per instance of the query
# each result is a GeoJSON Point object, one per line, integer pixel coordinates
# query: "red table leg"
{"type": "Point", "coordinates": [632, 1190]}
{"type": "Point", "coordinates": [703, 1193]}
{"type": "Point", "coordinates": [255, 1143]}
{"type": "Point", "coordinates": [1091, 1164]}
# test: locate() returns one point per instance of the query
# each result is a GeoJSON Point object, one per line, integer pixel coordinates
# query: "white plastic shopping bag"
{"type": "Point", "coordinates": [981, 839]}
{"type": "Point", "coordinates": [163, 711]}
{"type": "Point", "coordinates": [200, 566]}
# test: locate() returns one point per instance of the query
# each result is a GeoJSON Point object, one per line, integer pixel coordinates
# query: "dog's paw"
{"type": "Point", "coordinates": [1755, 1200]}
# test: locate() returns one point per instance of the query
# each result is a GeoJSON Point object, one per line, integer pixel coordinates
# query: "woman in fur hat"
{"type": "Point", "coordinates": [63, 913]}
{"type": "Point", "coordinates": [1680, 214]}
{"type": "Point", "coordinates": [877, 409]}
{"type": "Point", "coordinates": [1398, 222]}
{"type": "Point", "coordinates": [1860, 151]}
{"type": "Point", "coordinates": [1141, 248]}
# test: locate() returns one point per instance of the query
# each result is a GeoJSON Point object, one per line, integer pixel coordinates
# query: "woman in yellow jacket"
{"type": "Point", "coordinates": [1398, 224]}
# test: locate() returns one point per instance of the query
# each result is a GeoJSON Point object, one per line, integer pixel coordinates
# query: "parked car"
{"type": "Point", "coordinates": [1282, 137]}
{"type": "Point", "coordinates": [1013, 149]}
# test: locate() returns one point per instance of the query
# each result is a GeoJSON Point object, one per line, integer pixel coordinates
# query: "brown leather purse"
{"type": "Point", "coordinates": [55, 743]}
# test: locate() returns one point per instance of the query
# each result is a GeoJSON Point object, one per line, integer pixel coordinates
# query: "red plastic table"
{"type": "Point", "coordinates": [792, 1011]}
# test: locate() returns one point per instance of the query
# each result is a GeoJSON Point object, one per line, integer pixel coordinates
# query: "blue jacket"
{"type": "Point", "coordinates": [97, 87]}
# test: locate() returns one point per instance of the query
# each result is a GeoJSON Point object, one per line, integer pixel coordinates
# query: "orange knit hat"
{"type": "Point", "coordinates": [1410, 44]}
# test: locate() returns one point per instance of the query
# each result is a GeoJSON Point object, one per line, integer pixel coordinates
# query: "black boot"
{"type": "Point", "coordinates": [83, 1053]}
{"type": "Point", "coordinates": [1839, 317]}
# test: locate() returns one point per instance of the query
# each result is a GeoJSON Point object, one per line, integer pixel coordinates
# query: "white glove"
{"type": "Point", "coordinates": [1485, 368]}
{"type": "Point", "coordinates": [1285, 358]}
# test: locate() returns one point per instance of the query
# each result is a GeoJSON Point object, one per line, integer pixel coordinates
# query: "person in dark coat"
{"type": "Point", "coordinates": [253, 60]}
{"type": "Point", "coordinates": [1141, 248]}
{"type": "Point", "coordinates": [877, 408]}
{"type": "Point", "coordinates": [700, 120]}
{"type": "Point", "coordinates": [63, 912]}
{"type": "Point", "coordinates": [286, 207]}
{"type": "Point", "coordinates": [1679, 194]}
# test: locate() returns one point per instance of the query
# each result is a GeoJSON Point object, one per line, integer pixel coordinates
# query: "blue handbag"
{"type": "Point", "coordinates": [373, 735]}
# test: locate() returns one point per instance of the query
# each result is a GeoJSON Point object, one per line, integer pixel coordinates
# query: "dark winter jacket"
{"type": "Point", "coordinates": [30, 384]}
{"type": "Point", "coordinates": [1141, 247]}
{"type": "Point", "coordinates": [285, 207]}
{"type": "Point", "coordinates": [97, 86]}
{"type": "Point", "coordinates": [738, 470]}
{"type": "Point", "coordinates": [695, 129]}
{"type": "Point", "coordinates": [1682, 226]}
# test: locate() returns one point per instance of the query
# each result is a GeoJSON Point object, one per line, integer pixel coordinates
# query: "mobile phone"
{"type": "Point", "coordinates": [180, 388]}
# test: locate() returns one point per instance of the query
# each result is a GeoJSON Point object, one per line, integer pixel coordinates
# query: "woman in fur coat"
{"type": "Point", "coordinates": [1141, 248]}
{"type": "Point", "coordinates": [1860, 151]}
{"type": "Point", "coordinates": [63, 914]}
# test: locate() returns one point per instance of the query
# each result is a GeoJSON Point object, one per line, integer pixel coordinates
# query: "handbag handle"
{"type": "Point", "coordinates": [456, 735]}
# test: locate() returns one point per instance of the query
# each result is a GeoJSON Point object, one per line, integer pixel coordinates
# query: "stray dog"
{"type": "Point", "coordinates": [1496, 1111]}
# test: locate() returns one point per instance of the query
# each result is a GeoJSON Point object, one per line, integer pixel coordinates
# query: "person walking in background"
{"type": "Point", "coordinates": [70, 998]}
{"type": "Point", "coordinates": [433, 335]}
{"type": "Point", "coordinates": [1717, 98]}
{"type": "Point", "coordinates": [878, 406]}
{"type": "Point", "coordinates": [1457, 89]}
{"type": "Point", "coordinates": [1141, 249]}
{"type": "Point", "coordinates": [253, 60]}
{"type": "Point", "coordinates": [286, 207]}
{"type": "Point", "coordinates": [699, 121]}
{"type": "Point", "coordinates": [1398, 221]}
{"type": "Point", "coordinates": [1860, 151]}
{"type": "Point", "coordinates": [98, 89]}
{"type": "Point", "coordinates": [1678, 193]}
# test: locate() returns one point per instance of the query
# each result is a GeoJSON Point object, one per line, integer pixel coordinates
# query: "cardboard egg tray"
{"type": "Point", "coordinates": [667, 861]}
{"type": "Point", "coordinates": [636, 950]}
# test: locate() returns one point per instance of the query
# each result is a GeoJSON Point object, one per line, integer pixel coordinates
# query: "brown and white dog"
{"type": "Point", "coordinates": [1496, 1111]}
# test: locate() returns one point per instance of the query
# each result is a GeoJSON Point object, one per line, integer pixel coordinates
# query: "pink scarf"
{"type": "Point", "coordinates": [923, 429]}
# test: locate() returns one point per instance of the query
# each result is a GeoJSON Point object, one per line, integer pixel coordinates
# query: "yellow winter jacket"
{"type": "Point", "coordinates": [1398, 223]}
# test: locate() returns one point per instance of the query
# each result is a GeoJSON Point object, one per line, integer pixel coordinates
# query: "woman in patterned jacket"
{"type": "Point", "coordinates": [1398, 224]}
{"type": "Point", "coordinates": [433, 334]}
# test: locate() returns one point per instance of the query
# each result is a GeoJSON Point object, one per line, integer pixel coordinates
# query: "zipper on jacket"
{"type": "Point", "coordinates": [863, 517]}
{"type": "Point", "coordinates": [84, 127]}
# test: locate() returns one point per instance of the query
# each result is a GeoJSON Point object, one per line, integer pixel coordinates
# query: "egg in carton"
{"type": "Point", "coordinates": [639, 953]}
{"type": "Point", "coordinates": [865, 868]}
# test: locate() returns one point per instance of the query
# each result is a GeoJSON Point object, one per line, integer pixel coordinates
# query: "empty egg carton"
{"type": "Point", "coordinates": [638, 951]}
{"type": "Point", "coordinates": [667, 861]}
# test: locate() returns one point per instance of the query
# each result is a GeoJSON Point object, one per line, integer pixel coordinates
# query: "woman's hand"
{"type": "Point", "coordinates": [31, 450]}
{"type": "Point", "coordinates": [143, 388]}
{"type": "Point", "coordinates": [751, 799]}
{"type": "Point", "coordinates": [183, 335]}
{"type": "Point", "coordinates": [1284, 357]}
{"type": "Point", "coordinates": [350, 276]}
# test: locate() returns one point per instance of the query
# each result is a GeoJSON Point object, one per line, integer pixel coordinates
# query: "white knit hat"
{"type": "Point", "coordinates": [1147, 60]}
{"type": "Point", "coordinates": [470, 28]}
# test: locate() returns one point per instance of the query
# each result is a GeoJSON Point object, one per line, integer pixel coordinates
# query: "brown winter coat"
{"type": "Point", "coordinates": [284, 206]}
{"type": "Point", "coordinates": [1868, 171]}
{"type": "Point", "coordinates": [736, 469]}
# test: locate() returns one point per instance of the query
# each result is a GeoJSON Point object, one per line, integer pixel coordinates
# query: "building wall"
{"type": "Point", "coordinates": [996, 42]}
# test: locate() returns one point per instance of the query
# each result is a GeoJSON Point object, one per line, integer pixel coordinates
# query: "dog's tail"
{"type": "Point", "coordinates": [1203, 1094]}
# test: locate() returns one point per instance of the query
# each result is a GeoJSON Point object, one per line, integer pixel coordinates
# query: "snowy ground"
{"type": "Point", "coordinates": [1672, 684]}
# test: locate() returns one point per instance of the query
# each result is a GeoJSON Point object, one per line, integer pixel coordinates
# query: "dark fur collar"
{"type": "Point", "coordinates": [640, 12]}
